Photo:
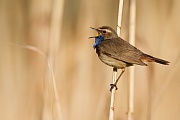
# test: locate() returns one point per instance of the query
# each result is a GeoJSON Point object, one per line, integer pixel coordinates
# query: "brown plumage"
{"type": "Point", "coordinates": [114, 48]}
{"type": "Point", "coordinates": [118, 53]}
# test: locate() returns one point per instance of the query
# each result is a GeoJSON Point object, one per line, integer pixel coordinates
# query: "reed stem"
{"type": "Point", "coordinates": [132, 25]}
{"type": "Point", "coordinates": [111, 112]}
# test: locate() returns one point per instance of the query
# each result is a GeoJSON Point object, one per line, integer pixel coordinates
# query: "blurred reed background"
{"type": "Point", "coordinates": [61, 30]}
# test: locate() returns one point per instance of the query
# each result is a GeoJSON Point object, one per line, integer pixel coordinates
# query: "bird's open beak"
{"type": "Point", "coordinates": [96, 34]}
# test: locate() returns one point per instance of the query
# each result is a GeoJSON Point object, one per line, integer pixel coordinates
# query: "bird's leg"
{"type": "Point", "coordinates": [115, 83]}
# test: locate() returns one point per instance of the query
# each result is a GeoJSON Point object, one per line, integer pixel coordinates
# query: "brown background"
{"type": "Point", "coordinates": [61, 30]}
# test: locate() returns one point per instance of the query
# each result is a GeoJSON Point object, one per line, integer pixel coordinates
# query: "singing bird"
{"type": "Point", "coordinates": [118, 53]}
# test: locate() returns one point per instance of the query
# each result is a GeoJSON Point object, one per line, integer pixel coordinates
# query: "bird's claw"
{"type": "Point", "coordinates": [113, 86]}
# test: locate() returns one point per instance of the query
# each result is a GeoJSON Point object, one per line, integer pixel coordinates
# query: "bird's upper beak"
{"type": "Point", "coordinates": [99, 31]}
{"type": "Point", "coordinates": [93, 28]}
{"type": "Point", "coordinates": [96, 34]}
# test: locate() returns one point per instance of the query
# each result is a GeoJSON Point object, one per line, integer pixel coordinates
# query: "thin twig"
{"type": "Point", "coordinates": [132, 20]}
{"type": "Point", "coordinates": [111, 112]}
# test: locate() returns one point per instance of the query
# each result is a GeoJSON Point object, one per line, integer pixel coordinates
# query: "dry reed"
{"type": "Point", "coordinates": [111, 112]}
{"type": "Point", "coordinates": [132, 25]}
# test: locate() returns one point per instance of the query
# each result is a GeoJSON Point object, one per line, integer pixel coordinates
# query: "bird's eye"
{"type": "Point", "coordinates": [103, 31]}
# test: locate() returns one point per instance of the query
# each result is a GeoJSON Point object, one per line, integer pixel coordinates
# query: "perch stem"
{"type": "Point", "coordinates": [111, 112]}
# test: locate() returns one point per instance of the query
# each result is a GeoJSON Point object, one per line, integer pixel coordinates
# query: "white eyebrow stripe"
{"type": "Point", "coordinates": [108, 30]}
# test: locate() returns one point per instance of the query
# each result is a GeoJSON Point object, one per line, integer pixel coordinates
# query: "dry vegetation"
{"type": "Point", "coordinates": [60, 29]}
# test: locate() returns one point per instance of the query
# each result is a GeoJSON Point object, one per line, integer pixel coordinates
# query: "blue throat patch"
{"type": "Point", "coordinates": [98, 41]}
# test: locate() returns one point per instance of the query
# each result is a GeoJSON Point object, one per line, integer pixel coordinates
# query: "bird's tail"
{"type": "Point", "coordinates": [149, 58]}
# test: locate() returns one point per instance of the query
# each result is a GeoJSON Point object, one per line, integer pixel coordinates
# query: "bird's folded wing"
{"type": "Point", "coordinates": [121, 50]}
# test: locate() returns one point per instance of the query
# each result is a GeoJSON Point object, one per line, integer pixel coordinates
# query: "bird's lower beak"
{"type": "Point", "coordinates": [94, 36]}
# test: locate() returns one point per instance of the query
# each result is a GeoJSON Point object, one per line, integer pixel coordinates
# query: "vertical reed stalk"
{"type": "Point", "coordinates": [132, 25]}
{"type": "Point", "coordinates": [54, 38]}
{"type": "Point", "coordinates": [111, 112]}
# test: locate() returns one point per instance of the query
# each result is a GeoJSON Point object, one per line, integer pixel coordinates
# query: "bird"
{"type": "Point", "coordinates": [118, 53]}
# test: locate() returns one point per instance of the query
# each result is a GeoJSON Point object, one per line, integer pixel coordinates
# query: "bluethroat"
{"type": "Point", "coordinates": [118, 53]}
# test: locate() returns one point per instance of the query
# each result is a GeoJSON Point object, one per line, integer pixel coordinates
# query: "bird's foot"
{"type": "Point", "coordinates": [113, 86]}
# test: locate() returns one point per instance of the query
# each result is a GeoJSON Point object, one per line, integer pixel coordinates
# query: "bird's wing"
{"type": "Point", "coordinates": [121, 50]}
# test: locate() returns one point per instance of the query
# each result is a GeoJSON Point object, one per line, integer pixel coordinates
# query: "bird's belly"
{"type": "Point", "coordinates": [112, 62]}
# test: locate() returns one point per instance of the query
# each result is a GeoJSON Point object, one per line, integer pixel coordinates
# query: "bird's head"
{"type": "Point", "coordinates": [106, 31]}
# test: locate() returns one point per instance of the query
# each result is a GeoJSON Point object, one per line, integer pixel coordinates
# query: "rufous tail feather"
{"type": "Point", "coordinates": [149, 58]}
